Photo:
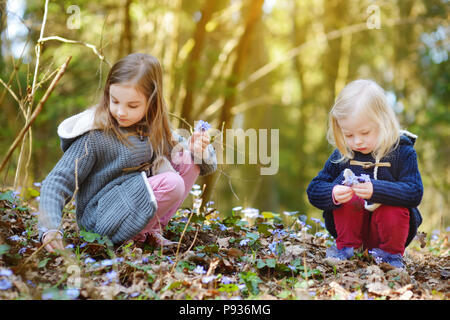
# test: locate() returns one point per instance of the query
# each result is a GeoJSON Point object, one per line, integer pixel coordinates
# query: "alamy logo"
{"type": "Point", "coordinates": [262, 146]}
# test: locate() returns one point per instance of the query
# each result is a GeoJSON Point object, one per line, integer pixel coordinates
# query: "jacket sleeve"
{"type": "Point", "coordinates": [207, 163]}
{"type": "Point", "coordinates": [407, 191]}
{"type": "Point", "coordinates": [59, 186]}
{"type": "Point", "coordinates": [320, 188]}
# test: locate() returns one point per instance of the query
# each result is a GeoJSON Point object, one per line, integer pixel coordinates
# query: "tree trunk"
{"type": "Point", "coordinates": [193, 61]}
{"type": "Point", "coordinates": [254, 14]}
{"type": "Point", "coordinates": [126, 38]}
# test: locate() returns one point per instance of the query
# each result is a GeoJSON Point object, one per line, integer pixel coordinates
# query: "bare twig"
{"type": "Point", "coordinates": [38, 109]}
{"type": "Point", "coordinates": [88, 45]}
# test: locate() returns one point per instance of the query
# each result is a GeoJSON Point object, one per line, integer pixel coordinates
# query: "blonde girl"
{"type": "Point", "coordinates": [380, 211]}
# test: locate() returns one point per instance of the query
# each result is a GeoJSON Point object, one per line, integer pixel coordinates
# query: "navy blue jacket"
{"type": "Point", "coordinates": [398, 185]}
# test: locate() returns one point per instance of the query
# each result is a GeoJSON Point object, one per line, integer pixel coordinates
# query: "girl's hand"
{"type": "Point", "coordinates": [342, 194]}
{"type": "Point", "coordinates": [198, 142]}
{"type": "Point", "coordinates": [363, 190]}
{"type": "Point", "coordinates": [55, 244]}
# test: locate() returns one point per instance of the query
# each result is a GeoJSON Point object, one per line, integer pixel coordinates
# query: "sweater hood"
{"type": "Point", "coordinates": [75, 126]}
{"type": "Point", "coordinates": [407, 138]}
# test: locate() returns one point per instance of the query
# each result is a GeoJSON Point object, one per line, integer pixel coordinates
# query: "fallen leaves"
{"type": "Point", "coordinates": [217, 259]}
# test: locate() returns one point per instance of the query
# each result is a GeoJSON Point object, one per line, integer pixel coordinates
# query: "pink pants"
{"type": "Point", "coordinates": [170, 190]}
{"type": "Point", "coordinates": [387, 228]}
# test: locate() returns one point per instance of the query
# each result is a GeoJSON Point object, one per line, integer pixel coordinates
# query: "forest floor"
{"type": "Point", "coordinates": [217, 258]}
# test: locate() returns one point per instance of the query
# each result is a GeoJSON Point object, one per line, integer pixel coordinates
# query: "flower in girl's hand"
{"type": "Point", "coordinates": [351, 179]}
{"type": "Point", "coordinates": [202, 126]}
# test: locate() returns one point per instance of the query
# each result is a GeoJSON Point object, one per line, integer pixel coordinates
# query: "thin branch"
{"type": "Point", "coordinates": [38, 109]}
{"type": "Point", "coordinates": [88, 45]}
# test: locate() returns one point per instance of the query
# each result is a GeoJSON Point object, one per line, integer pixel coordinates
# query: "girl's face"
{"type": "Point", "coordinates": [360, 132]}
{"type": "Point", "coordinates": [126, 104]}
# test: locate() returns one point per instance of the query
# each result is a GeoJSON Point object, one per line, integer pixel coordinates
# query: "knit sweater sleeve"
{"type": "Point", "coordinates": [59, 186]}
{"type": "Point", "coordinates": [320, 188]}
{"type": "Point", "coordinates": [407, 191]}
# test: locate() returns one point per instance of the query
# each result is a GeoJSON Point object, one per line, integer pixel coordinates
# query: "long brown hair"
{"type": "Point", "coordinates": [145, 72]}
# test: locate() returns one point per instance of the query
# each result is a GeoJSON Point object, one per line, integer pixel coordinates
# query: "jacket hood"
{"type": "Point", "coordinates": [407, 137]}
{"type": "Point", "coordinates": [75, 126]}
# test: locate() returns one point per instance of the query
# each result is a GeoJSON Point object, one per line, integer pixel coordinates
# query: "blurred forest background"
{"type": "Point", "coordinates": [263, 64]}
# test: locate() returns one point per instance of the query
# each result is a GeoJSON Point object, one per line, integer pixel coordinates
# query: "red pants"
{"type": "Point", "coordinates": [386, 228]}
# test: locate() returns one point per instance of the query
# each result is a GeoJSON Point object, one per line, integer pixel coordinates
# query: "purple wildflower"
{"type": "Point", "coordinates": [72, 293]}
{"type": "Point", "coordinates": [200, 270]}
{"type": "Point", "coordinates": [208, 279]}
{"type": "Point", "coordinates": [226, 280]}
{"type": "Point", "coordinates": [88, 260]}
{"type": "Point", "coordinates": [244, 242]}
{"type": "Point", "coordinates": [111, 275]}
{"type": "Point", "coordinates": [5, 284]}
{"type": "Point", "coordinates": [202, 126]}
{"type": "Point", "coordinates": [6, 273]}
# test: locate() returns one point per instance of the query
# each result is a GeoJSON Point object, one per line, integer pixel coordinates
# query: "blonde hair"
{"type": "Point", "coordinates": [368, 97]}
{"type": "Point", "coordinates": [145, 72]}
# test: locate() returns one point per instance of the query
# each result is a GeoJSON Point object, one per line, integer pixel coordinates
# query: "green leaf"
{"type": "Point", "coordinates": [212, 248]}
{"type": "Point", "coordinates": [43, 263]}
{"type": "Point", "coordinates": [8, 196]}
{"type": "Point", "coordinates": [260, 263]}
{"type": "Point", "coordinates": [89, 236]}
{"type": "Point", "coordinates": [264, 229]}
{"type": "Point", "coordinates": [173, 285]}
{"type": "Point", "coordinates": [4, 248]}
{"type": "Point", "coordinates": [271, 263]}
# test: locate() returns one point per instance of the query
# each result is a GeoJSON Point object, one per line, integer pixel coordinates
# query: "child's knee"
{"type": "Point", "coordinates": [174, 185]}
{"type": "Point", "coordinates": [392, 215]}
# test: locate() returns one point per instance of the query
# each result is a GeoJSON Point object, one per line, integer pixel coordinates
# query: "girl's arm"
{"type": "Point", "coordinates": [59, 186]}
{"type": "Point", "coordinates": [407, 191]}
{"type": "Point", "coordinates": [321, 187]}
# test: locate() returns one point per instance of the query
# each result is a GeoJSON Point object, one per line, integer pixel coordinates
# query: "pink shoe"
{"type": "Point", "coordinates": [155, 237]}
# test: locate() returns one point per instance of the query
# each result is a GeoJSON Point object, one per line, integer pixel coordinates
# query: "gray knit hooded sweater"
{"type": "Point", "coordinates": [109, 201]}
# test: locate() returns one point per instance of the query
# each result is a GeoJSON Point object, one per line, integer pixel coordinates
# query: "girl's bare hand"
{"type": "Point", "coordinates": [198, 142]}
{"type": "Point", "coordinates": [342, 194]}
{"type": "Point", "coordinates": [363, 190]}
{"type": "Point", "coordinates": [55, 241]}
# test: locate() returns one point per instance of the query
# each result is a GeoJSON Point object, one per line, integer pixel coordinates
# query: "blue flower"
{"type": "Point", "coordinates": [244, 242]}
{"type": "Point", "coordinates": [5, 284]}
{"type": "Point", "coordinates": [72, 293]}
{"type": "Point", "coordinates": [274, 247]}
{"type": "Point", "coordinates": [202, 126]}
{"type": "Point", "coordinates": [22, 250]}
{"type": "Point", "coordinates": [111, 275]}
{"type": "Point", "coordinates": [199, 270]}
{"type": "Point", "coordinates": [170, 260]}
{"type": "Point", "coordinates": [315, 220]}
{"type": "Point", "coordinates": [319, 234]}
{"type": "Point", "coordinates": [208, 279]}
{"type": "Point", "coordinates": [222, 227]}
{"type": "Point", "coordinates": [88, 260]}
{"type": "Point", "coordinates": [106, 263]}
{"type": "Point", "coordinates": [226, 280]}
{"type": "Point", "coordinates": [145, 260]}
{"type": "Point", "coordinates": [15, 238]}
{"type": "Point", "coordinates": [6, 273]}
{"type": "Point", "coordinates": [70, 246]}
